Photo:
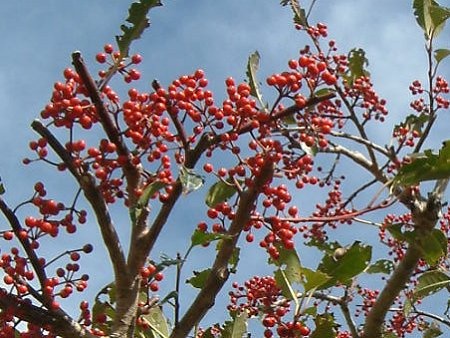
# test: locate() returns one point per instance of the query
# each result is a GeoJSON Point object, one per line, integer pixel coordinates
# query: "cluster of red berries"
{"type": "Point", "coordinates": [260, 296]}
{"type": "Point", "coordinates": [364, 96]}
{"type": "Point", "coordinates": [369, 298]}
{"type": "Point", "coordinates": [397, 247]}
{"type": "Point", "coordinates": [440, 87]}
{"type": "Point", "coordinates": [151, 277]}
{"type": "Point", "coordinates": [401, 325]}
{"type": "Point", "coordinates": [333, 209]}
{"type": "Point", "coordinates": [114, 59]}
{"type": "Point", "coordinates": [406, 135]}
{"type": "Point", "coordinates": [67, 108]}
{"type": "Point", "coordinates": [19, 271]}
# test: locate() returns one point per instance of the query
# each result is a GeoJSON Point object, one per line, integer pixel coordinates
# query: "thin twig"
{"type": "Point", "coordinates": [426, 314]}
{"type": "Point", "coordinates": [26, 244]}
{"type": "Point", "coordinates": [363, 141]}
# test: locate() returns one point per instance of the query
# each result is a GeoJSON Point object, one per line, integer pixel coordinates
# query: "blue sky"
{"type": "Point", "coordinates": [218, 36]}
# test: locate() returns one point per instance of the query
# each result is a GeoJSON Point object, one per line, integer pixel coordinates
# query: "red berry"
{"type": "Point", "coordinates": [101, 57]}
{"type": "Point", "coordinates": [304, 331]}
{"type": "Point", "coordinates": [136, 58]}
{"type": "Point", "coordinates": [108, 48]}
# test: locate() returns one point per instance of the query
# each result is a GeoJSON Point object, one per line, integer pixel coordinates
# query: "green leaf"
{"type": "Point", "coordinates": [135, 25]}
{"type": "Point", "coordinates": [234, 259]}
{"type": "Point", "coordinates": [357, 63]}
{"type": "Point", "coordinates": [433, 246]}
{"type": "Point", "coordinates": [311, 151]}
{"type": "Point", "coordinates": [430, 283]}
{"type": "Point", "coordinates": [441, 54]}
{"type": "Point", "coordinates": [149, 191]}
{"type": "Point", "coordinates": [381, 266]}
{"type": "Point", "coordinates": [325, 327]}
{"type": "Point", "coordinates": [425, 166]}
{"type": "Point", "coordinates": [433, 331]}
{"type": "Point", "coordinates": [299, 13]}
{"type": "Point", "coordinates": [313, 279]}
{"type": "Point", "coordinates": [169, 296]}
{"type": "Point", "coordinates": [208, 333]}
{"type": "Point", "coordinates": [167, 261]}
{"type": "Point", "coordinates": [422, 14]}
{"type": "Point", "coordinates": [190, 180]}
{"type": "Point", "coordinates": [220, 192]}
{"type": "Point", "coordinates": [325, 247]}
{"type": "Point", "coordinates": [430, 16]}
{"type": "Point", "coordinates": [290, 260]}
{"type": "Point", "coordinates": [289, 120]}
{"type": "Point", "coordinates": [285, 284]}
{"type": "Point", "coordinates": [296, 273]}
{"type": "Point", "coordinates": [389, 335]}
{"type": "Point", "coordinates": [323, 92]}
{"type": "Point", "coordinates": [353, 262]}
{"type": "Point", "coordinates": [157, 322]}
{"type": "Point", "coordinates": [252, 69]}
{"type": "Point", "coordinates": [439, 16]}
{"type": "Point", "coordinates": [199, 278]}
{"type": "Point", "coordinates": [104, 305]}
{"type": "Point", "coordinates": [407, 307]}
{"type": "Point", "coordinates": [312, 311]}
{"type": "Point", "coordinates": [203, 238]}
{"type": "Point", "coordinates": [396, 231]}
{"type": "Point", "coordinates": [237, 328]}
{"type": "Point", "coordinates": [2, 187]}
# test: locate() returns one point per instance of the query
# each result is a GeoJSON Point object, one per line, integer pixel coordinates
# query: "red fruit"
{"type": "Point", "coordinates": [329, 78]}
{"type": "Point", "coordinates": [87, 248]}
{"type": "Point", "coordinates": [75, 256]}
{"type": "Point", "coordinates": [101, 57]}
{"type": "Point", "coordinates": [159, 276]}
{"type": "Point", "coordinates": [8, 279]}
{"type": "Point", "coordinates": [304, 61]}
{"type": "Point", "coordinates": [108, 48]}
{"type": "Point", "coordinates": [300, 101]}
{"type": "Point", "coordinates": [293, 211]}
{"type": "Point", "coordinates": [136, 58]}
{"type": "Point", "coordinates": [212, 213]}
{"type": "Point", "coordinates": [293, 64]}
{"type": "Point", "coordinates": [229, 82]}
{"type": "Point", "coordinates": [269, 321]}
{"type": "Point", "coordinates": [208, 167]}
{"type": "Point", "coordinates": [8, 235]}
{"type": "Point", "coordinates": [202, 226]}
{"type": "Point", "coordinates": [22, 289]}
{"type": "Point", "coordinates": [250, 237]}
{"type": "Point", "coordinates": [304, 331]}
{"type": "Point", "coordinates": [154, 286]}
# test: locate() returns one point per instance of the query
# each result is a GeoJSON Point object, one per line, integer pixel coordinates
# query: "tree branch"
{"type": "Point", "coordinates": [25, 242]}
{"type": "Point", "coordinates": [219, 272]}
{"type": "Point", "coordinates": [359, 126]}
{"type": "Point", "coordinates": [95, 198]}
{"type": "Point", "coordinates": [130, 170]}
{"type": "Point", "coordinates": [59, 323]}
{"type": "Point", "coordinates": [363, 141]}
{"type": "Point", "coordinates": [425, 216]}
